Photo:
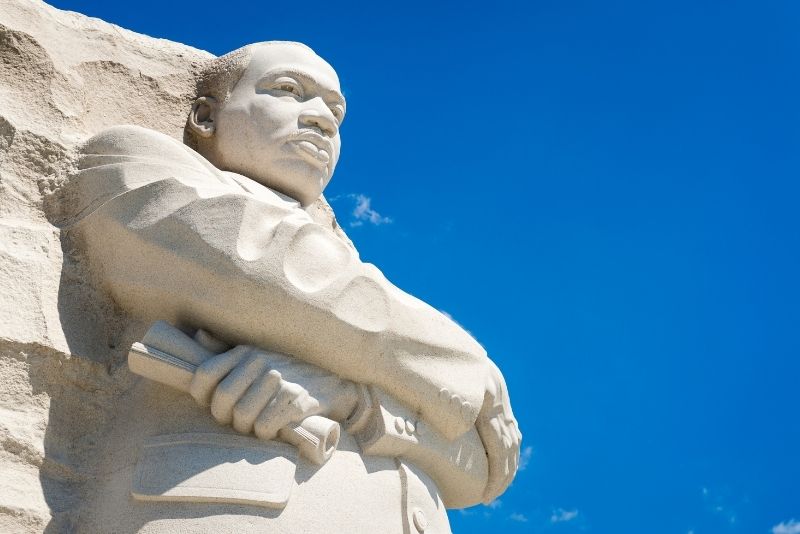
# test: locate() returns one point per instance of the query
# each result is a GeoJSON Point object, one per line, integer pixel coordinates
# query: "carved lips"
{"type": "Point", "coordinates": [309, 142]}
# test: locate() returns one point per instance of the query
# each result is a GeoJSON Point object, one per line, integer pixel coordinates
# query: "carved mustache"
{"type": "Point", "coordinates": [318, 140]}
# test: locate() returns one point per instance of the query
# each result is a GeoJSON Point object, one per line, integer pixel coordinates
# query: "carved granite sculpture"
{"type": "Point", "coordinates": [280, 324]}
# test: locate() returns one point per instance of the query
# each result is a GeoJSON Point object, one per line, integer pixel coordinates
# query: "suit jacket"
{"type": "Point", "coordinates": [171, 237]}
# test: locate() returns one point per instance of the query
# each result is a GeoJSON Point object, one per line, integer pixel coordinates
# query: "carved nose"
{"type": "Point", "coordinates": [322, 121]}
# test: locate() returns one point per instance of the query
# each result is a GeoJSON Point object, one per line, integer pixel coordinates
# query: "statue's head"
{"type": "Point", "coordinates": [270, 111]}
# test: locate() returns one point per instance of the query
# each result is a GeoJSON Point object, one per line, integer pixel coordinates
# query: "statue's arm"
{"type": "Point", "coordinates": [185, 248]}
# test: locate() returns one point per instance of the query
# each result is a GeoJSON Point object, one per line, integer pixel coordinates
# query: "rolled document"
{"type": "Point", "coordinates": [170, 357]}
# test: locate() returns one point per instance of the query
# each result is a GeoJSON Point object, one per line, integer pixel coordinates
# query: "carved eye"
{"type": "Point", "coordinates": [338, 113]}
{"type": "Point", "coordinates": [288, 86]}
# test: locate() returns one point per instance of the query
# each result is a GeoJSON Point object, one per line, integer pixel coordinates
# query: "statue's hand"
{"type": "Point", "coordinates": [500, 435]}
{"type": "Point", "coordinates": [262, 392]}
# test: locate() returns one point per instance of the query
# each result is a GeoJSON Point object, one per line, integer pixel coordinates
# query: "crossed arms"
{"type": "Point", "coordinates": [171, 237]}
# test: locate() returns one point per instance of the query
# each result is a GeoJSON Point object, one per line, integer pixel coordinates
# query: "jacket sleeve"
{"type": "Point", "coordinates": [170, 237]}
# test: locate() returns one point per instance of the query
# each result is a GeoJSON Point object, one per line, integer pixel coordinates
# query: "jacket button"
{"type": "Point", "coordinates": [399, 424]}
{"type": "Point", "coordinates": [420, 522]}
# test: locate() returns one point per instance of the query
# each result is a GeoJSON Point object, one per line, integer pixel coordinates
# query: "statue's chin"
{"type": "Point", "coordinates": [292, 172]}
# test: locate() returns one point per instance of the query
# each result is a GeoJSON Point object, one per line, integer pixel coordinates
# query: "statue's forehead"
{"type": "Point", "coordinates": [289, 57]}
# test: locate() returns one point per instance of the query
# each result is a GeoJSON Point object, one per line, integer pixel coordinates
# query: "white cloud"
{"type": "Point", "coordinates": [525, 457]}
{"type": "Point", "coordinates": [520, 518]}
{"type": "Point", "coordinates": [792, 527]}
{"type": "Point", "coordinates": [561, 516]}
{"type": "Point", "coordinates": [495, 504]}
{"type": "Point", "coordinates": [363, 211]}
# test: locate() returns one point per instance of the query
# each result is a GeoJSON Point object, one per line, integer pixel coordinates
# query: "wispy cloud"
{"type": "Point", "coordinates": [495, 504]}
{"type": "Point", "coordinates": [525, 457]}
{"type": "Point", "coordinates": [486, 510]}
{"type": "Point", "coordinates": [363, 212]}
{"type": "Point", "coordinates": [718, 502]}
{"type": "Point", "coordinates": [792, 527]}
{"type": "Point", "coordinates": [562, 516]}
{"type": "Point", "coordinates": [520, 518]}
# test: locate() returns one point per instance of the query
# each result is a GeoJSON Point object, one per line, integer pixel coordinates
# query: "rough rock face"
{"type": "Point", "coordinates": [63, 77]}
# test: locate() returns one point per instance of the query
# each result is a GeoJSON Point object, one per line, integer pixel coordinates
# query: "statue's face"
{"type": "Point", "coordinates": [280, 125]}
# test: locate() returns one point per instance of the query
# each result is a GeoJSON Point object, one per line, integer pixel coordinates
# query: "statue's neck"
{"type": "Point", "coordinates": [259, 190]}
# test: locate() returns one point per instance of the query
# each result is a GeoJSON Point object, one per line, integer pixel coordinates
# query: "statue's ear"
{"type": "Point", "coordinates": [201, 118]}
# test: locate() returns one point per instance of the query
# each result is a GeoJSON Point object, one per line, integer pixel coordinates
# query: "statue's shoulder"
{"type": "Point", "coordinates": [137, 155]}
{"type": "Point", "coordinates": [134, 143]}
{"type": "Point", "coordinates": [127, 158]}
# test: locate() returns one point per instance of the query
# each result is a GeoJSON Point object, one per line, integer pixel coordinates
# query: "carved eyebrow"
{"type": "Point", "coordinates": [332, 96]}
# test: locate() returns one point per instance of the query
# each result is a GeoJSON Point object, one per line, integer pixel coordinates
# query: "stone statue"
{"type": "Point", "coordinates": [217, 237]}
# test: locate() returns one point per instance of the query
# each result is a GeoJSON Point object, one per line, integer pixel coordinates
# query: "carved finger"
{"type": "Point", "coordinates": [511, 454]}
{"type": "Point", "coordinates": [490, 436]}
{"type": "Point", "coordinates": [515, 426]}
{"type": "Point", "coordinates": [283, 409]}
{"type": "Point", "coordinates": [508, 472]}
{"type": "Point", "coordinates": [233, 386]}
{"type": "Point", "coordinates": [514, 462]}
{"type": "Point", "coordinates": [256, 399]}
{"type": "Point", "coordinates": [497, 428]}
{"type": "Point", "coordinates": [210, 372]}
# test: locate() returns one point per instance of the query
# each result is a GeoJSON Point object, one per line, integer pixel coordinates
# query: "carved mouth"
{"type": "Point", "coordinates": [315, 145]}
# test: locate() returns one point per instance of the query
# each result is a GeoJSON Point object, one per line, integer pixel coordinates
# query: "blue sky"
{"type": "Point", "coordinates": [605, 194]}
